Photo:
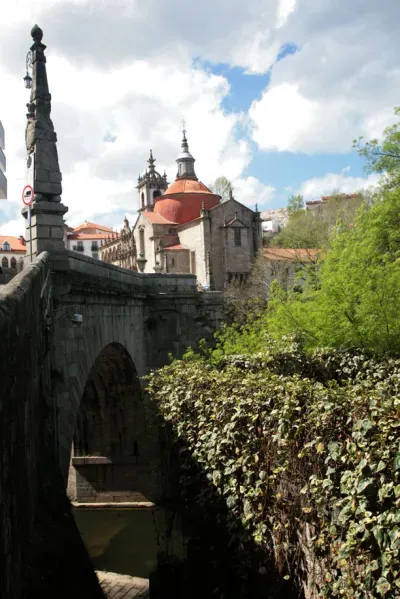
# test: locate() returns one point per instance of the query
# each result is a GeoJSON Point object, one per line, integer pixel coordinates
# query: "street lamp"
{"type": "Point", "coordinates": [28, 78]}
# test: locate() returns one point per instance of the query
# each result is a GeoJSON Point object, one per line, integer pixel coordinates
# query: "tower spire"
{"type": "Point", "coordinates": [151, 162]}
{"type": "Point", "coordinates": [185, 160]}
{"type": "Point", "coordinates": [46, 229]}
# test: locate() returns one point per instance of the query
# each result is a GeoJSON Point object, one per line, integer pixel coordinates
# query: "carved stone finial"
{"type": "Point", "coordinates": [36, 33]}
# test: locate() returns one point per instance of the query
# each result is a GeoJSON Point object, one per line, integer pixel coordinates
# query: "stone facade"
{"type": "Point", "coordinates": [120, 248]}
{"type": "Point", "coordinates": [88, 238]}
{"type": "Point", "coordinates": [189, 230]}
{"type": "Point", "coordinates": [12, 252]}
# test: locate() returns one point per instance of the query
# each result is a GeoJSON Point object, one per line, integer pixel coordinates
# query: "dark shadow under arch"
{"type": "Point", "coordinates": [111, 455]}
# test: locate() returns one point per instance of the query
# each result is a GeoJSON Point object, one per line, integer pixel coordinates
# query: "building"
{"type": "Point", "coordinates": [187, 229]}
{"type": "Point", "coordinates": [288, 266]}
{"type": "Point", "coordinates": [348, 202]}
{"type": "Point", "coordinates": [274, 220]}
{"type": "Point", "coordinates": [3, 180]}
{"type": "Point", "coordinates": [87, 238]}
{"type": "Point", "coordinates": [12, 252]}
{"type": "Point", "coordinates": [120, 249]}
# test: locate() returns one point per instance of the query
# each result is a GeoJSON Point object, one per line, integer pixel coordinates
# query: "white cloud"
{"type": "Point", "coordinates": [281, 117]}
{"type": "Point", "coordinates": [139, 106]}
{"type": "Point", "coordinates": [14, 227]}
{"type": "Point", "coordinates": [250, 191]}
{"type": "Point", "coordinates": [285, 8]}
{"type": "Point", "coordinates": [313, 189]}
{"type": "Point", "coordinates": [338, 85]}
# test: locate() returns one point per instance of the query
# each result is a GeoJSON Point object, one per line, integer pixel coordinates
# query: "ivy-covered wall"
{"type": "Point", "coordinates": [287, 471]}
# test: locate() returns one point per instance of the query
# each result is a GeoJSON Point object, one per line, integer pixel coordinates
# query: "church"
{"type": "Point", "coordinates": [186, 228]}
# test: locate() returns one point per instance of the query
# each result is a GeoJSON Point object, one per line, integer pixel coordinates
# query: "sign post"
{"type": "Point", "coordinates": [27, 198]}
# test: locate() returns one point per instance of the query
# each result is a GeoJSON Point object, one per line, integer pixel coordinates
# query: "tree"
{"type": "Point", "coordinates": [357, 300]}
{"type": "Point", "coordinates": [295, 204]}
{"type": "Point", "coordinates": [383, 157]}
{"type": "Point", "coordinates": [313, 229]}
{"type": "Point", "coordinates": [222, 187]}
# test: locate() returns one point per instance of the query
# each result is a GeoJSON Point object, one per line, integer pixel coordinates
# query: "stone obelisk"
{"type": "Point", "coordinates": [47, 212]}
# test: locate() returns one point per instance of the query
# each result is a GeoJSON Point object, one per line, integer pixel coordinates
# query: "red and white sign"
{"type": "Point", "coordinates": [27, 195]}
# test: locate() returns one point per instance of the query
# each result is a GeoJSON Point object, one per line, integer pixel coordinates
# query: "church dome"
{"type": "Point", "coordinates": [186, 196]}
{"type": "Point", "coordinates": [184, 199]}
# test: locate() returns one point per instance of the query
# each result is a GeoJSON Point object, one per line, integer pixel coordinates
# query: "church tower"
{"type": "Point", "coordinates": [150, 185]}
{"type": "Point", "coordinates": [185, 161]}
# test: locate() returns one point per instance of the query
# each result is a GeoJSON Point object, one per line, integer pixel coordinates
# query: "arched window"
{"type": "Point", "coordinates": [4, 262]}
{"type": "Point", "coordinates": [6, 246]}
{"type": "Point", "coordinates": [142, 196]}
{"type": "Point", "coordinates": [14, 263]}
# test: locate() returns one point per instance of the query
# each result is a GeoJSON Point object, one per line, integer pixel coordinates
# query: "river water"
{"type": "Point", "coordinates": [125, 541]}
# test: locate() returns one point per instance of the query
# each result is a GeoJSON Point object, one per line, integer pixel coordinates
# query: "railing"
{"type": "Point", "coordinates": [78, 248]}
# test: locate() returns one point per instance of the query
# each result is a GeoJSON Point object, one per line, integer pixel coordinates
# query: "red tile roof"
{"type": "Point", "coordinates": [187, 186]}
{"type": "Point", "coordinates": [89, 225]}
{"type": "Point", "coordinates": [291, 254]}
{"type": "Point", "coordinates": [175, 247]}
{"type": "Point", "coordinates": [183, 201]}
{"type": "Point", "coordinates": [15, 244]}
{"type": "Point", "coordinates": [157, 219]}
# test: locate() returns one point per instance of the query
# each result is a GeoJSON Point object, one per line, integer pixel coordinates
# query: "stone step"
{"type": "Point", "coordinates": [121, 586]}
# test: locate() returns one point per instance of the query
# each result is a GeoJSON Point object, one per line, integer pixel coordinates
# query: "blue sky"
{"type": "Point", "coordinates": [273, 93]}
{"type": "Point", "coordinates": [286, 171]}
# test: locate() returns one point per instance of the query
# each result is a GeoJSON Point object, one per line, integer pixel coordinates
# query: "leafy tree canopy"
{"type": "Point", "coordinates": [222, 187]}
{"type": "Point", "coordinates": [383, 157]}
{"type": "Point", "coordinates": [295, 203]}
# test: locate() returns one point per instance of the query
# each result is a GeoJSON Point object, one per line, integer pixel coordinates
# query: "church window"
{"type": "Point", "coordinates": [6, 246]}
{"type": "Point", "coordinates": [237, 236]}
{"type": "Point", "coordinates": [13, 263]}
{"type": "Point", "coordinates": [142, 196]}
{"type": "Point", "coordinates": [172, 261]}
{"type": "Point", "coordinates": [156, 194]}
{"type": "Point", "coordinates": [4, 262]}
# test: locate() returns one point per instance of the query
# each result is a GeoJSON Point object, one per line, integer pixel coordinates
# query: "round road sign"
{"type": "Point", "coordinates": [27, 195]}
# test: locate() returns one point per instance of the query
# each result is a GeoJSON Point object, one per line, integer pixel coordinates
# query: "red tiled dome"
{"type": "Point", "coordinates": [184, 199]}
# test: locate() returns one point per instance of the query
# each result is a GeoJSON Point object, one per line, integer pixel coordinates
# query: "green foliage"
{"type": "Point", "coordinates": [356, 301]}
{"type": "Point", "coordinates": [383, 157]}
{"type": "Point", "coordinates": [222, 187]}
{"type": "Point", "coordinates": [304, 451]}
{"type": "Point", "coordinates": [303, 230]}
{"type": "Point", "coordinates": [295, 203]}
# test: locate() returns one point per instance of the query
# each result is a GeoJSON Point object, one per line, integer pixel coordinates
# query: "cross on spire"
{"type": "Point", "coordinates": [183, 127]}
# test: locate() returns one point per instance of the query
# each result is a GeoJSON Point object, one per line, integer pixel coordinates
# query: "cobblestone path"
{"type": "Point", "coordinates": [119, 586]}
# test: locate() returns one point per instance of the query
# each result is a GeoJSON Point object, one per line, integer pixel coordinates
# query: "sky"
{"type": "Point", "coordinates": [273, 92]}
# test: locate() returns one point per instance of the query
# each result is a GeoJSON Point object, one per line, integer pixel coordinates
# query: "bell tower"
{"type": "Point", "coordinates": [150, 185]}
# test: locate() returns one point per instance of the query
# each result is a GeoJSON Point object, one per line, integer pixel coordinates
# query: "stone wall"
{"type": "Point", "coordinates": [41, 552]}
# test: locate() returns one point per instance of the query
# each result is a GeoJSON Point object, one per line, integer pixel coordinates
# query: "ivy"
{"type": "Point", "coordinates": [304, 452]}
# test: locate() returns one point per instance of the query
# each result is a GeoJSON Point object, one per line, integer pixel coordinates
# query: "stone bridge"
{"type": "Point", "coordinates": [77, 336]}
{"type": "Point", "coordinates": [72, 408]}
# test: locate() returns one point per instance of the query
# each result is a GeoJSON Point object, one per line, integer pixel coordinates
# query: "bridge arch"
{"type": "Point", "coordinates": [111, 450]}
